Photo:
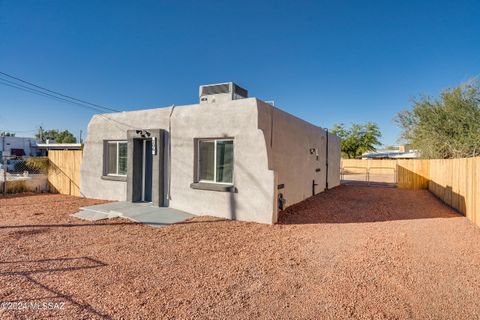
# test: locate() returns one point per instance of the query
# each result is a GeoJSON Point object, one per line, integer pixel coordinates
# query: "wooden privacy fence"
{"type": "Point", "coordinates": [64, 171]}
{"type": "Point", "coordinates": [455, 181]}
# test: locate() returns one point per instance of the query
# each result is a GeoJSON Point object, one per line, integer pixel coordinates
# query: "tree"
{"type": "Point", "coordinates": [7, 134]}
{"type": "Point", "coordinates": [64, 136]}
{"type": "Point", "coordinates": [445, 127]}
{"type": "Point", "coordinates": [357, 139]}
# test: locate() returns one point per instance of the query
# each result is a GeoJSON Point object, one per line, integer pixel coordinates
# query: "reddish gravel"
{"type": "Point", "coordinates": [353, 252]}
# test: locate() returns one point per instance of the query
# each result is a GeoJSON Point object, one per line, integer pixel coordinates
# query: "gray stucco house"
{"type": "Point", "coordinates": [228, 156]}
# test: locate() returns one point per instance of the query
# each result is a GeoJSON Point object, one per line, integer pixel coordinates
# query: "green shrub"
{"type": "Point", "coordinates": [33, 165]}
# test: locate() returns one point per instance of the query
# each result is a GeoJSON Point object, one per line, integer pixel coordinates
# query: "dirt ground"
{"type": "Point", "coordinates": [352, 252]}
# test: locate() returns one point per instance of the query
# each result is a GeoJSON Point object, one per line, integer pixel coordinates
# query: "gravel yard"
{"type": "Point", "coordinates": [352, 252]}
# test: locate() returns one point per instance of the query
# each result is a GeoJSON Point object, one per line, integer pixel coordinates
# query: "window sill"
{"type": "Point", "coordinates": [115, 178]}
{"type": "Point", "coordinates": [213, 187]}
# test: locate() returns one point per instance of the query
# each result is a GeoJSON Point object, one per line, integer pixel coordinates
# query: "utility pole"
{"type": "Point", "coordinates": [40, 133]}
{"type": "Point", "coordinates": [326, 163]}
{"type": "Point", "coordinates": [4, 176]}
{"type": "Point", "coordinates": [4, 166]}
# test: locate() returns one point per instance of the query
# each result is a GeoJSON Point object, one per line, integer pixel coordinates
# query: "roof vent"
{"type": "Point", "coordinates": [221, 92]}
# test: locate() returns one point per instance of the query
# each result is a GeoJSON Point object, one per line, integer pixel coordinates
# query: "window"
{"type": "Point", "coordinates": [116, 160]}
{"type": "Point", "coordinates": [215, 161]}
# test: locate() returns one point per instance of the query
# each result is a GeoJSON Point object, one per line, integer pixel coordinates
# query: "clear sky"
{"type": "Point", "coordinates": [324, 61]}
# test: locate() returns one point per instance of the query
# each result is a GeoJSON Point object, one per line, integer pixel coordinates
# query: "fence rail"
{"type": "Point", "coordinates": [455, 181]}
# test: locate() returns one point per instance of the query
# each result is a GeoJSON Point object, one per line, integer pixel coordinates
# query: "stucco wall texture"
{"type": "Point", "coordinates": [271, 147]}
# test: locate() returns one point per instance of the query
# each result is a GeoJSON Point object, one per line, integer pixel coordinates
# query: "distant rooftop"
{"type": "Point", "coordinates": [59, 146]}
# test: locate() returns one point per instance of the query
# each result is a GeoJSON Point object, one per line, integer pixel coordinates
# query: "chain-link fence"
{"type": "Point", "coordinates": [369, 176]}
{"type": "Point", "coordinates": [22, 174]}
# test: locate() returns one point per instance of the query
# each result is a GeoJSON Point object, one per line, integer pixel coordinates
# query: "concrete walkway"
{"type": "Point", "coordinates": [138, 212]}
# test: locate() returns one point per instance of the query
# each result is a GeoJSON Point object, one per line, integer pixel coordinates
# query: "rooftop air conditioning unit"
{"type": "Point", "coordinates": [221, 92]}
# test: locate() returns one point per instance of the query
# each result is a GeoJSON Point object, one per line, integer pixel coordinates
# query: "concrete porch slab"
{"type": "Point", "coordinates": [91, 215]}
{"type": "Point", "coordinates": [138, 212]}
{"type": "Point", "coordinates": [160, 218]}
{"type": "Point", "coordinates": [106, 207]}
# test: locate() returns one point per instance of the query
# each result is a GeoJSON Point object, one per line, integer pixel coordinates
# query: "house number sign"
{"type": "Point", "coordinates": [154, 145]}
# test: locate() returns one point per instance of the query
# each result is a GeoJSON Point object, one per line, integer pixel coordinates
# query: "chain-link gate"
{"type": "Point", "coordinates": [20, 174]}
{"type": "Point", "coordinates": [369, 176]}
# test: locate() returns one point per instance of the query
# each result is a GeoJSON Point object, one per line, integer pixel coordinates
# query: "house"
{"type": "Point", "coordinates": [12, 146]}
{"type": "Point", "coordinates": [401, 152]}
{"type": "Point", "coordinates": [43, 148]}
{"type": "Point", "coordinates": [229, 156]}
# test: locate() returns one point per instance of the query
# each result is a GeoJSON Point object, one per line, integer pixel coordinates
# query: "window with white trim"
{"type": "Point", "coordinates": [116, 158]}
{"type": "Point", "coordinates": [215, 161]}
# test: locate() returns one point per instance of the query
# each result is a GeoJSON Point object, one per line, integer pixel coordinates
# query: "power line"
{"type": "Point", "coordinates": [58, 93]}
{"type": "Point", "coordinates": [44, 94]}
{"type": "Point", "coordinates": [16, 131]}
{"type": "Point", "coordinates": [21, 87]}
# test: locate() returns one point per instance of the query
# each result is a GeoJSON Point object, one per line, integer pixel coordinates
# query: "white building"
{"type": "Point", "coordinates": [18, 146]}
{"type": "Point", "coordinates": [402, 152]}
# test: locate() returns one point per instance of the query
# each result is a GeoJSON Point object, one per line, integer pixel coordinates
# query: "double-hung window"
{"type": "Point", "coordinates": [215, 161]}
{"type": "Point", "coordinates": [116, 158]}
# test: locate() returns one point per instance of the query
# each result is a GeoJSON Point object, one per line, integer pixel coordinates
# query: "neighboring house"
{"type": "Point", "coordinates": [45, 147]}
{"type": "Point", "coordinates": [18, 146]}
{"type": "Point", "coordinates": [228, 156]}
{"type": "Point", "coordinates": [403, 152]}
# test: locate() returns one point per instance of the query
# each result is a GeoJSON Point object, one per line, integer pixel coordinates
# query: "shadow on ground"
{"type": "Point", "coordinates": [354, 204]}
{"type": "Point", "coordinates": [43, 293]}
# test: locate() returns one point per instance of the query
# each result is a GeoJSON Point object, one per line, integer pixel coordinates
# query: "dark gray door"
{"type": "Point", "coordinates": [147, 193]}
{"type": "Point", "coordinates": [145, 176]}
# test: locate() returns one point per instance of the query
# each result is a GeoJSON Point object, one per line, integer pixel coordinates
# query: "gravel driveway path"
{"type": "Point", "coordinates": [352, 252]}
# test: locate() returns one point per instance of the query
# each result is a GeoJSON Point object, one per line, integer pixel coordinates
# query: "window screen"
{"type": "Point", "coordinates": [122, 158]}
{"type": "Point", "coordinates": [224, 164]}
{"type": "Point", "coordinates": [112, 158]}
{"type": "Point", "coordinates": [116, 158]}
{"type": "Point", "coordinates": [207, 160]}
{"type": "Point", "coordinates": [215, 161]}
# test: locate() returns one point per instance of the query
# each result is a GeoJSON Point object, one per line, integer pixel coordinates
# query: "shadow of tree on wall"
{"type": "Point", "coordinates": [354, 204]}
{"type": "Point", "coordinates": [448, 196]}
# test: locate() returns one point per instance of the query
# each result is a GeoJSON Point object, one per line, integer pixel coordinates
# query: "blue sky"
{"type": "Point", "coordinates": [324, 61]}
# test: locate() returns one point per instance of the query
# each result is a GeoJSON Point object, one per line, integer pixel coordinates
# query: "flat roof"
{"type": "Point", "coordinates": [59, 145]}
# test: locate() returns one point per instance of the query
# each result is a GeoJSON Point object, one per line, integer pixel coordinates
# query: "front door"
{"type": "Point", "coordinates": [145, 163]}
{"type": "Point", "coordinates": [147, 171]}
